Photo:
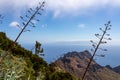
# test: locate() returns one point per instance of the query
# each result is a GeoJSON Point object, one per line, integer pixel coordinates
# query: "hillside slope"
{"type": "Point", "coordinates": [22, 64]}
{"type": "Point", "coordinates": [34, 65]}
{"type": "Point", "coordinates": [117, 69]}
{"type": "Point", "coordinates": [76, 62]}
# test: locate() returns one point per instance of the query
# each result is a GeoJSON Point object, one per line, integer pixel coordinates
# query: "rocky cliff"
{"type": "Point", "coordinates": [76, 62]}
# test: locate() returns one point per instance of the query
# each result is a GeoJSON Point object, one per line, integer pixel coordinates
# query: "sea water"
{"type": "Point", "coordinates": [54, 51]}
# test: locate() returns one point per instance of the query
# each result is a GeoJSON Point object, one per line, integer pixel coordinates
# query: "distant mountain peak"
{"type": "Point", "coordinates": [82, 55]}
{"type": "Point", "coordinates": [76, 62]}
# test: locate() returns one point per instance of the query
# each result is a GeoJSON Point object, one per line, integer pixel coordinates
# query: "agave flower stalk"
{"type": "Point", "coordinates": [96, 45]}
{"type": "Point", "coordinates": [27, 21]}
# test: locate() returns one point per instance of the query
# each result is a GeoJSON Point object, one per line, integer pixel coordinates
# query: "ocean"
{"type": "Point", "coordinates": [54, 51]}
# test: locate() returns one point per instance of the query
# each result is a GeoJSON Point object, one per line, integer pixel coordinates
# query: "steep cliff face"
{"type": "Point", "coordinates": [76, 62]}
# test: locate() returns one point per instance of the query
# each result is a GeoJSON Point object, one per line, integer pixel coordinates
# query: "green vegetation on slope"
{"type": "Point", "coordinates": [33, 63]}
{"type": "Point", "coordinates": [61, 76]}
{"type": "Point", "coordinates": [22, 64]}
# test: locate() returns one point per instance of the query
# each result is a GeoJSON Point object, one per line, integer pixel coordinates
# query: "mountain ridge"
{"type": "Point", "coordinates": [76, 62]}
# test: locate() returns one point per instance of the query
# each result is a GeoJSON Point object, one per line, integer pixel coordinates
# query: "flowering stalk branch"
{"type": "Point", "coordinates": [97, 46]}
{"type": "Point", "coordinates": [33, 12]}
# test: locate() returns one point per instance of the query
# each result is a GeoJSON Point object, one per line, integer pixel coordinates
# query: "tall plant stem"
{"type": "Point", "coordinates": [12, 45]}
{"type": "Point", "coordinates": [91, 59]}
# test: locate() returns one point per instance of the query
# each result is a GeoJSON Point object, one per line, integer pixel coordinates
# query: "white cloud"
{"type": "Point", "coordinates": [16, 6]}
{"type": "Point", "coordinates": [81, 26]}
{"type": "Point", "coordinates": [60, 7]}
{"type": "Point", "coordinates": [44, 25]}
{"type": "Point", "coordinates": [56, 14]}
{"type": "Point", "coordinates": [14, 24]}
{"type": "Point", "coordinates": [18, 3]}
{"type": "Point", "coordinates": [79, 6]}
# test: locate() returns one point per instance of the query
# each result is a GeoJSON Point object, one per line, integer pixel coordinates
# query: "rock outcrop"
{"type": "Point", "coordinates": [76, 62]}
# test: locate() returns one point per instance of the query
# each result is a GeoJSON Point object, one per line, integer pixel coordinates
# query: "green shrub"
{"type": "Point", "coordinates": [34, 65]}
{"type": "Point", "coordinates": [61, 76]}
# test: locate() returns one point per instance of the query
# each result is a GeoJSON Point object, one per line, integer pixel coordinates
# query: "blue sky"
{"type": "Point", "coordinates": [62, 20]}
